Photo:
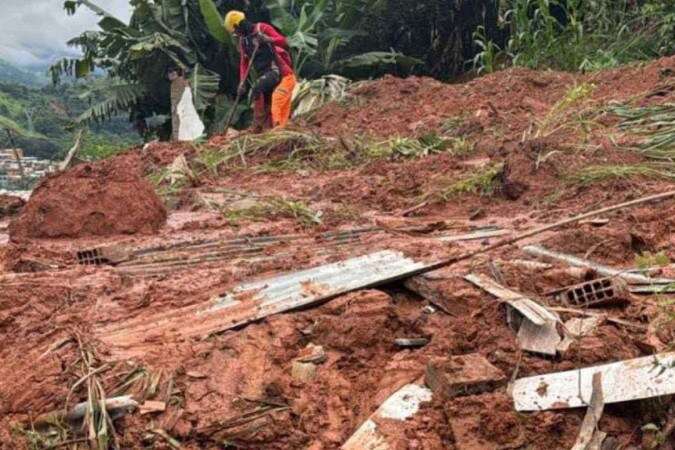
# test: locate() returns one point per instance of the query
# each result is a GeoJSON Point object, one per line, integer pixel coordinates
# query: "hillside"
{"type": "Point", "coordinates": [45, 115]}
{"type": "Point", "coordinates": [9, 73]}
{"type": "Point", "coordinates": [266, 294]}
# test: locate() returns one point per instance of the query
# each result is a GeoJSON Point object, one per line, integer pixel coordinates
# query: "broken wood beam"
{"type": "Point", "coordinates": [379, 431]}
{"type": "Point", "coordinates": [590, 438]}
{"type": "Point", "coordinates": [530, 309]}
{"type": "Point", "coordinates": [635, 379]}
{"type": "Point", "coordinates": [481, 234]}
{"type": "Point", "coordinates": [615, 320]}
{"type": "Point", "coordinates": [538, 333]}
{"type": "Point", "coordinates": [606, 271]}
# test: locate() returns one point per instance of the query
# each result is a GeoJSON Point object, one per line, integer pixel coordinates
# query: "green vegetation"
{"type": "Point", "coordinates": [268, 208]}
{"type": "Point", "coordinates": [599, 173]}
{"type": "Point", "coordinates": [559, 117]}
{"type": "Point", "coordinates": [653, 125]}
{"type": "Point", "coordinates": [647, 260]}
{"type": "Point", "coordinates": [481, 181]}
{"type": "Point", "coordinates": [290, 149]}
{"type": "Point", "coordinates": [41, 122]}
{"type": "Point", "coordinates": [189, 34]}
{"type": "Point", "coordinates": [578, 35]}
{"type": "Point", "coordinates": [11, 74]}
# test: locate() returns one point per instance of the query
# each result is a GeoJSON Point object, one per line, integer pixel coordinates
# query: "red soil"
{"type": "Point", "coordinates": [237, 386]}
{"type": "Point", "coordinates": [90, 200]}
{"type": "Point", "coordinates": [10, 205]}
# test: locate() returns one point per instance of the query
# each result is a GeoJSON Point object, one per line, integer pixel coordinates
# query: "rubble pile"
{"type": "Point", "coordinates": [389, 302]}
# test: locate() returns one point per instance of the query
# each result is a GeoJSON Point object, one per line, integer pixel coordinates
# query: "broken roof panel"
{"type": "Point", "coordinates": [634, 379]}
{"type": "Point", "coordinates": [255, 300]}
{"type": "Point", "coordinates": [401, 406]}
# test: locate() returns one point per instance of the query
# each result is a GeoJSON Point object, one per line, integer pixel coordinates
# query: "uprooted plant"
{"type": "Point", "coordinates": [572, 112]}
{"type": "Point", "coordinates": [265, 208]}
{"type": "Point", "coordinates": [654, 126]}
{"type": "Point", "coordinates": [481, 181]}
{"type": "Point", "coordinates": [599, 173]}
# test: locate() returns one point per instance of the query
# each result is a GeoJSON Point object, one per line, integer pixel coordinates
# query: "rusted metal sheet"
{"type": "Point", "coordinates": [401, 406]}
{"type": "Point", "coordinates": [172, 255]}
{"type": "Point", "coordinates": [258, 299]}
{"type": "Point", "coordinates": [308, 286]}
{"type": "Point", "coordinates": [605, 271]}
{"type": "Point", "coordinates": [172, 251]}
{"type": "Point", "coordinates": [635, 379]}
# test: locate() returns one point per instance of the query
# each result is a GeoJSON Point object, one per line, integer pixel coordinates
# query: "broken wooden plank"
{"type": "Point", "coordinates": [616, 320]}
{"type": "Point", "coordinates": [539, 251]}
{"type": "Point", "coordinates": [530, 309]}
{"type": "Point", "coordinates": [462, 375]}
{"type": "Point", "coordinates": [538, 333]}
{"type": "Point", "coordinates": [589, 435]}
{"type": "Point", "coordinates": [481, 234]}
{"type": "Point", "coordinates": [401, 406]}
{"type": "Point", "coordinates": [635, 379]}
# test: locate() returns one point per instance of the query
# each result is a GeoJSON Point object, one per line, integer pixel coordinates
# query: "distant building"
{"type": "Point", "coordinates": [11, 170]}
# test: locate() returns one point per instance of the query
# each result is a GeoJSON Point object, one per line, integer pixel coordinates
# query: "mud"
{"type": "Point", "coordinates": [90, 200]}
{"type": "Point", "coordinates": [10, 205]}
{"type": "Point", "coordinates": [236, 389]}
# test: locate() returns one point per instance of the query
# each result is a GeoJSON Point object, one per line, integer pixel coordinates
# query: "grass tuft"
{"type": "Point", "coordinates": [600, 173]}
{"type": "Point", "coordinates": [482, 181]}
{"type": "Point", "coordinates": [275, 207]}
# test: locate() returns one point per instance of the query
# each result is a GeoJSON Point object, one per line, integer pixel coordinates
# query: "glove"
{"type": "Point", "coordinates": [241, 90]}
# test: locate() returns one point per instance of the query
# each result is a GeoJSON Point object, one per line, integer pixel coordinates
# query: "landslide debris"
{"type": "Point", "coordinates": [90, 200]}
{"type": "Point", "coordinates": [10, 205]}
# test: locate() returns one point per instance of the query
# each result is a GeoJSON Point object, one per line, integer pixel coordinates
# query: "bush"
{"type": "Point", "coordinates": [581, 35]}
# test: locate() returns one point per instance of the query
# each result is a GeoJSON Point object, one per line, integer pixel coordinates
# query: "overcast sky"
{"type": "Point", "coordinates": [34, 32]}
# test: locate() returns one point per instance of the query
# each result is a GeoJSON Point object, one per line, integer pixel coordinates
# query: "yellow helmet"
{"type": "Point", "coordinates": [233, 19]}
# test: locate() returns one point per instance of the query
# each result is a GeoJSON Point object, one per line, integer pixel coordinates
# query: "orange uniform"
{"type": "Point", "coordinates": [274, 60]}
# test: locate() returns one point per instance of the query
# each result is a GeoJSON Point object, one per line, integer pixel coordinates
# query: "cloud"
{"type": "Point", "coordinates": [34, 32]}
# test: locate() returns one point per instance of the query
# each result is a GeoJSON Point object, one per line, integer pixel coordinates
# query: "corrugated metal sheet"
{"type": "Point", "coordinates": [307, 286]}
{"type": "Point", "coordinates": [172, 256]}
{"type": "Point", "coordinates": [255, 300]}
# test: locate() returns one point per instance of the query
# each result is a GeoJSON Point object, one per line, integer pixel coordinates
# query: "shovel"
{"type": "Point", "coordinates": [230, 116]}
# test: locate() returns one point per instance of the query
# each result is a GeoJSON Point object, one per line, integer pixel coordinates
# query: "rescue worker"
{"type": "Point", "coordinates": [273, 90]}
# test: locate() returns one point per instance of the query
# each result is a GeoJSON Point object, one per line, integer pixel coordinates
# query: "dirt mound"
{"type": "Point", "coordinates": [10, 205]}
{"type": "Point", "coordinates": [90, 200]}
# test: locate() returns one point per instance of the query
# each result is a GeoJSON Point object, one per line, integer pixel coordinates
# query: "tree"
{"type": "Point", "coordinates": [190, 35]}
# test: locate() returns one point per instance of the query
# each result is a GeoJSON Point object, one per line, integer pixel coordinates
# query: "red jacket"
{"type": "Point", "coordinates": [281, 50]}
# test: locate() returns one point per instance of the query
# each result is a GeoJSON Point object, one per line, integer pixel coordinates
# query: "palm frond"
{"type": "Point", "coordinates": [312, 94]}
{"type": "Point", "coordinates": [118, 97]}
{"type": "Point", "coordinates": [204, 84]}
